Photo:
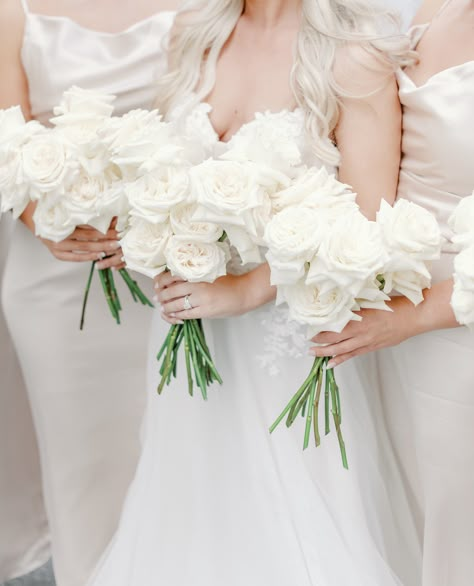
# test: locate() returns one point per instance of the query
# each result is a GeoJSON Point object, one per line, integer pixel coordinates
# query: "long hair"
{"type": "Point", "coordinates": [326, 27]}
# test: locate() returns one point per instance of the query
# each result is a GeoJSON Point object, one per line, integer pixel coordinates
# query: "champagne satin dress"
{"type": "Point", "coordinates": [428, 381]}
{"type": "Point", "coordinates": [86, 389]}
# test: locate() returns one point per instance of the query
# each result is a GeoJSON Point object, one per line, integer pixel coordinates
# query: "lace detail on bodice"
{"type": "Point", "coordinates": [283, 338]}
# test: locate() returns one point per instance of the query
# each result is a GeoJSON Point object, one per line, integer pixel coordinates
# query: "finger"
{"type": "Point", "coordinates": [177, 305]}
{"type": "Point", "coordinates": [175, 291]}
{"type": "Point", "coordinates": [113, 261]}
{"type": "Point", "coordinates": [73, 257]}
{"type": "Point", "coordinates": [109, 246]}
{"type": "Point", "coordinates": [171, 320]}
{"type": "Point", "coordinates": [338, 349]}
{"type": "Point", "coordinates": [331, 337]}
{"type": "Point", "coordinates": [187, 314]}
{"type": "Point", "coordinates": [165, 280]}
{"type": "Point", "coordinates": [338, 360]}
{"type": "Point", "coordinates": [88, 233]}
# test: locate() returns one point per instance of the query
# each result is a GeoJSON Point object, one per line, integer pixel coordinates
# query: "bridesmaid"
{"type": "Point", "coordinates": [86, 390]}
{"type": "Point", "coordinates": [427, 365]}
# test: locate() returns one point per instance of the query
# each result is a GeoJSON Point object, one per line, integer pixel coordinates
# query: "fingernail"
{"type": "Point", "coordinates": [180, 322]}
{"type": "Point", "coordinates": [172, 315]}
{"type": "Point", "coordinates": [101, 255]}
{"type": "Point", "coordinates": [156, 287]}
{"type": "Point", "coordinates": [331, 364]}
{"type": "Point", "coordinates": [115, 245]}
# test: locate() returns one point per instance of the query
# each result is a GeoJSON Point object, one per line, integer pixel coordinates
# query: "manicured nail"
{"type": "Point", "coordinates": [115, 245]}
{"type": "Point", "coordinates": [331, 364]}
{"type": "Point", "coordinates": [101, 255]}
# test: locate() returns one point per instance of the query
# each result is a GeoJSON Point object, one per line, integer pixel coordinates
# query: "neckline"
{"type": "Point", "coordinates": [72, 22]}
{"type": "Point", "coordinates": [433, 77]}
{"type": "Point", "coordinates": [207, 109]}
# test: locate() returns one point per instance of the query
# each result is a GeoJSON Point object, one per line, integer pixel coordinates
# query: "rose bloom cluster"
{"type": "Point", "coordinates": [462, 224]}
{"type": "Point", "coordinates": [76, 170]}
{"type": "Point", "coordinates": [328, 260]}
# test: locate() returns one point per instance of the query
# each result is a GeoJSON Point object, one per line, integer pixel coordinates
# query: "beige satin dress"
{"type": "Point", "coordinates": [428, 381]}
{"type": "Point", "coordinates": [86, 389]}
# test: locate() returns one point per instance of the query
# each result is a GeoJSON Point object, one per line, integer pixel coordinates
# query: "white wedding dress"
{"type": "Point", "coordinates": [217, 501]}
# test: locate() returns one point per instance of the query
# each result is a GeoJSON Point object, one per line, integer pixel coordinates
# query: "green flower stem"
{"type": "Point", "coordinates": [326, 406]}
{"type": "Point", "coordinates": [299, 406]}
{"type": "Point", "coordinates": [86, 295]}
{"type": "Point", "coordinates": [167, 366]}
{"type": "Point", "coordinates": [187, 358]}
{"type": "Point", "coordinates": [115, 297]}
{"type": "Point", "coordinates": [108, 297]}
{"type": "Point", "coordinates": [317, 437]}
{"type": "Point", "coordinates": [197, 368]}
{"type": "Point", "coordinates": [134, 288]}
{"type": "Point", "coordinates": [206, 357]}
{"type": "Point", "coordinates": [309, 416]}
{"type": "Point", "coordinates": [165, 345]}
{"type": "Point", "coordinates": [337, 422]}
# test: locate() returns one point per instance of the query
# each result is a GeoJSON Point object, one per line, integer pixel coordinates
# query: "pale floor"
{"type": "Point", "coordinates": [42, 577]}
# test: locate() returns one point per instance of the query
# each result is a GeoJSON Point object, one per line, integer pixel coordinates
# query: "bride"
{"type": "Point", "coordinates": [216, 500]}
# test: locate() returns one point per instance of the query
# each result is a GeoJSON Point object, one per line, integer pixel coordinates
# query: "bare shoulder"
{"type": "Point", "coordinates": [360, 71]}
{"type": "Point", "coordinates": [12, 20]}
{"type": "Point", "coordinates": [428, 11]}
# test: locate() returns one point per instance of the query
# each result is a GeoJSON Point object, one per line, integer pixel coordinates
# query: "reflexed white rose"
{"type": "Point", "coordinates": [14, 194]}
{"type": "Point", "coordinates": [12, 122]}
{"type": "Point", "coordinates": [462, 302]}
{"type": "Point", "coordinates": [227, 190]}
{"type": "Point", "coordinates": [371, 296]}
{"type": "Point", "coordinates": [51, 219]}
{"type": "Point", "coordinates": [330, 311]}
{"type": "Point", "coordinates": [153, 196]}
{"type": "Point", "coordinates": [141, 142]}
{"type": "Point", "coordinates": [144, 246]}
{"type": "Point", "coordinates": [464, 267]}
{"type": "Point", "coordinates": [462, 221]}
{"type": "Point", "coordinates": [46, 164]}
{"type": "Point", "coordinates": [351, 252]}
{"type": "Point", "coordinates": [196, 261]}
{"type": "Point", "coordinates": [409, 230]}
{"type": "Point", "coordinates": [314, 188]}
{"type": "Point", "coordinates": [81, 114]}
{"type": "Point", "coordinates": [409, 283]}
{"type": "Point", "coordinates": [183, 224]}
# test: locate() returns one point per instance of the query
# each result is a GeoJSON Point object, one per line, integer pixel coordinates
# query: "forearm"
{"type": "Point", "coordinates": [435, 312]}
{"type": "Point", "coordinates": [256, 288]}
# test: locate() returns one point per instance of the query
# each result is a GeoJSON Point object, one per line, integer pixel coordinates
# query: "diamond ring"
{"type": "Point", "coordinates": [187, 303]}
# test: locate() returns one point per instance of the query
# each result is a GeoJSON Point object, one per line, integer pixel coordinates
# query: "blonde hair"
{"type": "Point", "coordinates": [326, 26]}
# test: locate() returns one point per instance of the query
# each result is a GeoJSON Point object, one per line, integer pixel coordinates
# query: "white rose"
{"type": "Point", "coordinates": [141, 142]}
{"type": "Point", "coordinates": [14, 194]}
{"type": "Point", "coordinates": [330, 311]}
{"type": "Point", "coordinates": [196, 261]}
{"type": "Point", "coordinates": [372, 296]}
{"type": "Point", "coordinates": [272, 139]}
{"type": "Point", "coordinates": [313, 188]}
{"type": "Point", "coordinates": [12, 122]}
{"type": "Point", "coordinates": [351, 252]}
{"type": "Point", "coordinates": [462, 221]}
{"type": "Point", "coordinates": [462, 302]}
{"type": "Point", "coordinates": [51, 219]}
{"type": "Point", "coordinates": [410, 284]}
{"type": "Point", "coordinates": [46, 164]}
{"type": "Point", "coordinates": [153, 196]}
{"type": "Point", "coordinates": [293, 237]}
{"type": "Point", "coordinates": [409, 231]}
{"type": "Point", "coordinates": [464, 267]}
{"type": "Point", "coordinates": [144, 245]}
{"type": "Point", "coordinates": [183, 224]}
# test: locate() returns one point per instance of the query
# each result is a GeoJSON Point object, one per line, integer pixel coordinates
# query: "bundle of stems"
{"type": "Point", "coordinates": [107, 280]}
{"type": "Point", "coordinates": [200, 367]}
{"type": "Point", "coordinates": [306, 402]}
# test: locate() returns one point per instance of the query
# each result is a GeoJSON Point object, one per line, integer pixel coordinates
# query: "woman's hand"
{"type": "Point", "coordinates": [87, 244]}
{"type": "Point", "coordinates": [378, 329]}
{"type": "Point", "coordinates": [228, 296]}
{"type": "Point", "coordinates": [223, 298]}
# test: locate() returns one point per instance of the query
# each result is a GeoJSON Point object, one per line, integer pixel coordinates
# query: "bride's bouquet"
{"type": "Point", "coordinates": [328, 261]}
{"type": "Point", "coordinates": [462, 300]}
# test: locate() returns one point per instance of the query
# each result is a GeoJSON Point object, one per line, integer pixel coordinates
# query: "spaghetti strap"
{"type": "Point", "coordinates": [26, 8]}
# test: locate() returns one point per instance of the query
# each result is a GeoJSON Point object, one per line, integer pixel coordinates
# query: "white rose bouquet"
{"type": "Point", "coordinates": [69, 171]}
{"type": "Point", "coordinates": [162, 234]}
{"type": "Point", "coordinates": [328, 261]}
{"type": "Point", "coordinates": [462, 224]}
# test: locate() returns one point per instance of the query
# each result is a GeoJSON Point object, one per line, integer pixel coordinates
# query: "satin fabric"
{"type": "Point", "coordinates": [428, 381]}
{"type": "Point", "coordinates": [86, 389]}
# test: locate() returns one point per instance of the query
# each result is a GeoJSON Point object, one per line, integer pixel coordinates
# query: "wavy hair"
{"type": "Point", "coordinates": [326, 26]}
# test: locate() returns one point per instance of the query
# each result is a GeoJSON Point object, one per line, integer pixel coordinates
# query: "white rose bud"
{"type": "Point", "coordinates": [196, 261]}
{"type": "Point", "coordinates": [51, 219]}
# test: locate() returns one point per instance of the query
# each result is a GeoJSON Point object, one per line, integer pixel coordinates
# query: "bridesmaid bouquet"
{"type": "Point", "coordinates": [462, 223]}
{"type": "Point", "coordinates": [328, 261]}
